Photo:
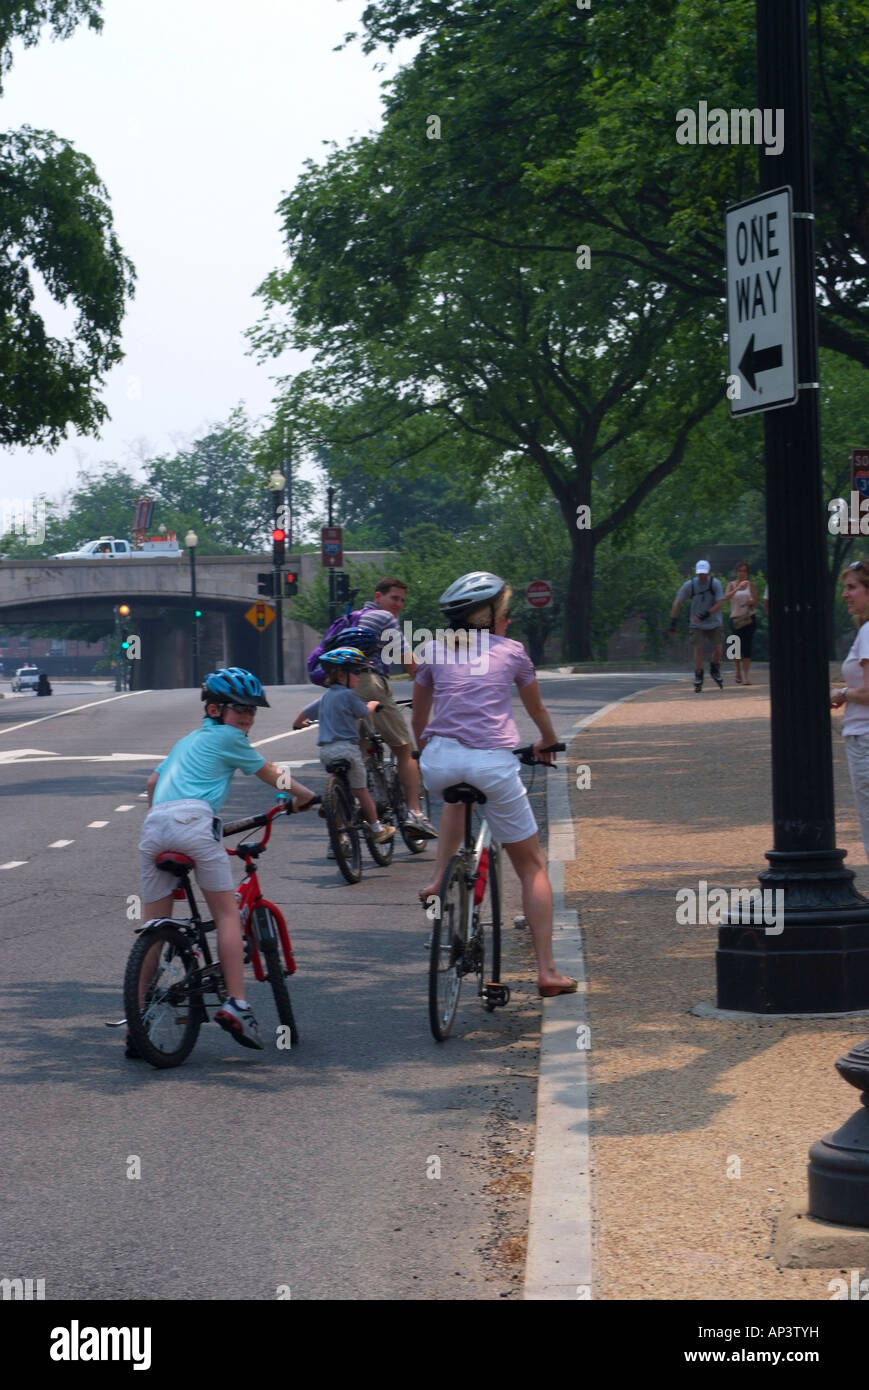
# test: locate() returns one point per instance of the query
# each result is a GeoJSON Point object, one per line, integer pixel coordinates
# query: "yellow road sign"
{"type": "Point", "coordinates": [259, 615]}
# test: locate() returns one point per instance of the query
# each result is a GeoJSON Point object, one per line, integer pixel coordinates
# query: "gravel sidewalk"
{"type": "Point", "coordinates": [700, 1127]}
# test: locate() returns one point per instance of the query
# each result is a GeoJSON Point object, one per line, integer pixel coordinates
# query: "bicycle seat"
{"type": "Point", "coordinates": [463, 791]}
{"type": "Point", "coordinates": [338, 765]}
{"type": "Point", "coordinates": [172, 863]}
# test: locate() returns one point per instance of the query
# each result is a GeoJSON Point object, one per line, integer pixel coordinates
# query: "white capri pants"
{"type": "Point", "coordinates": [494, 771]}
{"type": "Point", "coordinates": [857, 753]}
{"type": "Point", "coordinates": [188, 828]}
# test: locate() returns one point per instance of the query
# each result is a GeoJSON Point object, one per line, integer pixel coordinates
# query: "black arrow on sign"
{"type": "Point", "coordinates": [762, 361]}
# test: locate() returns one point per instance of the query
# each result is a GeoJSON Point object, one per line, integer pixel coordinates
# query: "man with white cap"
{"type": "Point", "coordinates": [707, 630]}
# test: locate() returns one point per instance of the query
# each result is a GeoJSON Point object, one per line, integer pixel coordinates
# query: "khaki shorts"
{"type": "Point", "coordinates": [187, 827]}
{"type": "Point", "coordinates": [710, 637]}
{"type": "Point", "coordinates": [389, 722]}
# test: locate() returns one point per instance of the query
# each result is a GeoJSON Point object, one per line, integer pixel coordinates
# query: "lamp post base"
{"type": "Point", "coordinates": [839, 1163]}
{"type": "Point", "coordinates": [815, 957]}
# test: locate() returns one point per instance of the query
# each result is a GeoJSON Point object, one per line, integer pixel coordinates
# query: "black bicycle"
{"type": "Point", "coordinates": [347, 825]}
{"type": "Point", "coordinates": [385, 787]}
{"type": "Point", "coordinates": [467, 912]}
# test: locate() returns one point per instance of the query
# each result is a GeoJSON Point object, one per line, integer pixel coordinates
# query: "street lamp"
{"type": "Point", "coordinates": [276, 488]}
{"type": "Point", "coordinates": [191, 540]}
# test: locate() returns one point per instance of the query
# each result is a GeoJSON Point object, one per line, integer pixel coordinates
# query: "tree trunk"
{"type": "Point", "coordinates": [577, 617]}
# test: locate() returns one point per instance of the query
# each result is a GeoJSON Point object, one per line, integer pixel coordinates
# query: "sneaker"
{"type": "Point", "coordinates": [240, 1023]}
{"type": "Point", "coordinates": [420, 825]}
{"type": "Point", "coordinates": [715, 673]}
{"type": "Point", "coordinates": [380, 836]}
{"type": "Point", "coordinates": [698, 680]}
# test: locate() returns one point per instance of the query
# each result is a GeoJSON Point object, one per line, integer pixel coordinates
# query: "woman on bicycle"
{"type": "Point", "coordinates": [186, 792]}
{"type": "Point", "coordinates": [470, 738]}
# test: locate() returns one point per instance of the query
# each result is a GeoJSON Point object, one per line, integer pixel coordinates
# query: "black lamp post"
{"type": "Point", "coordinates": [191, 540]}
{"type": "Point", "coordinates": [276, 487]}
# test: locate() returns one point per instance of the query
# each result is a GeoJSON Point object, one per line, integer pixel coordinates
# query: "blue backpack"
{"type": "Point", "coordinates": [330, 637]}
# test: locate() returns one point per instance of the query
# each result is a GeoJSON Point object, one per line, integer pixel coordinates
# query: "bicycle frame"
{"type": "Point", "coordinates": [249, 898]}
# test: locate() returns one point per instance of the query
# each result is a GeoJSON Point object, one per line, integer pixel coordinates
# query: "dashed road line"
{"type": "Point", "coordinates": [125, 808]}
{"type": "Point", "coordinates": [14, 864]}
{"type": "Point", "coordinates": [97, 824]}
{"type": "Point", "coordinates": [60, 844]}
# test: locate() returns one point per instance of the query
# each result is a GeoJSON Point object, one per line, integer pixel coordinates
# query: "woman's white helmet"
{"type": "Point", "coordinates": [467, 593]}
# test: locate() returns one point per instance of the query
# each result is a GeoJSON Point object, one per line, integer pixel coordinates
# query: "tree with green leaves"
{"type": "Point", "coordinates": [56, 231]}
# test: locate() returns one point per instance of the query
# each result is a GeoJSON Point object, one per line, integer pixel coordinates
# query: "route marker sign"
{"type": "Point", "coordinates": [259, 615]}
{"type": "Point", "coordinates": [332, 546]}
{"type": "Point", "coordinates": [761, 313]}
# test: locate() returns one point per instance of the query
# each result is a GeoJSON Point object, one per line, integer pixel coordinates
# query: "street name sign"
{"type": "Point", "coordinates": [761, 313]}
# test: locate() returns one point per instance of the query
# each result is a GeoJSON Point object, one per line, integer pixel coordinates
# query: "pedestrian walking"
{"type": "Point", "coordinates": [853, 696]}
{"type": "Point", "coordinates": [741, 594]}
{"type": "Point", "coordinates": [706, 596]}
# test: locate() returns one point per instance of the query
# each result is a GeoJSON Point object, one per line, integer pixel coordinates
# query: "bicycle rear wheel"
{"type": "Point", "coordinates": [163, 1020]}
{"type": "Point", "coordinates": [343, 831]}
{"type": "Point", "coordinates": [447, 950]}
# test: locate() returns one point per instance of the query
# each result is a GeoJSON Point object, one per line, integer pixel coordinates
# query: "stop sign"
{"type": "Point", "coordinates": [539, 593]}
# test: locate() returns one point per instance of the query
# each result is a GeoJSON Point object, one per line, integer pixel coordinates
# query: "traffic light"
{"type": "Point", "coordinates": [197, 613]}
{"type": "Point", "coordinates": [265, 584]}
{"type": "Point", "coordinates": [279, 540]}
{"type": "Point", "coordinates": [124, 610]}
{"type": "Point", "coordinates": [342, 587]}
{"type": "Point", "coordinates": [291, 583]}
{"type": "Point", "coordinates": [123, 613]}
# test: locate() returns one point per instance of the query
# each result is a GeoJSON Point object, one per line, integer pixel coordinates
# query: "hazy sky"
{"type": "Point", "coordinates": [198, 115]}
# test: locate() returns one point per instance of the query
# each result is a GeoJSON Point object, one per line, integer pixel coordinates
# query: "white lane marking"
{"type": "Point", "coordinates": [11, 755]}
{"type": "Point", "coordinates": [273, 738]}
{"type": "Point", "coordinates": [97, 824]}
{"type": "Point", "coordinates": [60, 844]}
{"type": "Point", "coordinates": [13, 864]}
{"type": "Point", "coordinates": [130, 695]}
{"type": "Point", "coordinates": [125, 808]}
{"type": "Point", "coordinates": [301, 762]}
{"type": "Point", "coordinates": [558, 1262]}
{"type": "Point", "coordinates": [82, 757]}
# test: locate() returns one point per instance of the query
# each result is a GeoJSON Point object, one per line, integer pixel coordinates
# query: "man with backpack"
{"type": "Point", "coordinates": [369, 627]}
{"type": "Point", "coordinates": [707, 630]}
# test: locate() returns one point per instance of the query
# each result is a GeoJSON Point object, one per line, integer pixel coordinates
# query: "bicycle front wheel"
{"type": "Point", "coordinates": [163, 1020]}
{"type": "Point", "coordinates": [343, 831]}
{"type": "Point", "coordinates": [490, 917]}
{"type": "Point", "coordinates": [276, 977]}
{"type": "Point", "coordinates": [447, 950]}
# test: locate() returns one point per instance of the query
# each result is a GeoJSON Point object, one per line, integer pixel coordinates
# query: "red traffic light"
{"type": "Point", "coordinates": [279, 536]}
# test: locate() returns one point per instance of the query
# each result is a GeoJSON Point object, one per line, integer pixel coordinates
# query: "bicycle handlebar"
{"type": "Point", "coordinates": [525, 754]}
{"type": "Point", "coordinates": [265, 818]}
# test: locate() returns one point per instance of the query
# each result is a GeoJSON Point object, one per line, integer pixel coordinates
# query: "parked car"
{"type": "Point", "coordinates": [26, 678]}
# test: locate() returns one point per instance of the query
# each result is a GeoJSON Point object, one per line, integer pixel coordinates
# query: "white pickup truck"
{"type": "Point", "coordinates": [109, 548]}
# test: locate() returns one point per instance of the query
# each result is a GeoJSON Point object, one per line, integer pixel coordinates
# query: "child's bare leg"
{"type": "Point", "coordinates": [224, 910]}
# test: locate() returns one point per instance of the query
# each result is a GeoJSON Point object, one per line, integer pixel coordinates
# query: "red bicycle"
{"type": "Point", "coordinates": [171, 971]}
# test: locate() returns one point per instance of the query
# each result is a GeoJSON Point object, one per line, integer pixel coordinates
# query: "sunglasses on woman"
{"type": "Point", "coordinates": [242, 709]}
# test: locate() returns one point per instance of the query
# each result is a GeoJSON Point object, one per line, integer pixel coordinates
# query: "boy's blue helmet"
{"type": "Point", "coordinates": [233, 685]}
{"type": "Point", "coordinates": [350, 657]}
{"type": "Point", "coordinates": [361, 637]}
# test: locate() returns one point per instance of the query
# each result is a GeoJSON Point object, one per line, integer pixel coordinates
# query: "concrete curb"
{"type": "Point", "coordinates": [559, 1258]}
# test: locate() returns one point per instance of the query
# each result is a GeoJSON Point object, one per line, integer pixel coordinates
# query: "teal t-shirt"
{"type": "Point", "coordinates": [201, 765]}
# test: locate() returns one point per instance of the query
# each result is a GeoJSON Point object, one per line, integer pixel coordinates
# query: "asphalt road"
{"type": "Point", "coordinates": [308, 1173]}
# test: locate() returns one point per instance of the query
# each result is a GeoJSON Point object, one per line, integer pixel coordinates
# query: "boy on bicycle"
{"type": "Point", "coordinates": [339, 712]}
{"type": "Point", "coordinates": [186, 792]}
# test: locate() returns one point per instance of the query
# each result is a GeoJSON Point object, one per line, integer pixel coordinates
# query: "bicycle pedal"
{"type": "Point", "coordinates": [496, 994]}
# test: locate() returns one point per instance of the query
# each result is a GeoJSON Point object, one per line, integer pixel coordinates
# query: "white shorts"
{"type": "Point", "coordinates": [187, 828]}
{"type": "Point", "coordinates": [494, 771]}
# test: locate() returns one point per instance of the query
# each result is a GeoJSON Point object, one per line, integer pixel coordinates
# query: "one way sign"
{"type": "Point", "coordinates": [761, 321]}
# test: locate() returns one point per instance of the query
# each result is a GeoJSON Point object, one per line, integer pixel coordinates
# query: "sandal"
{"type": "Point", "coordinates": [550, 991]}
